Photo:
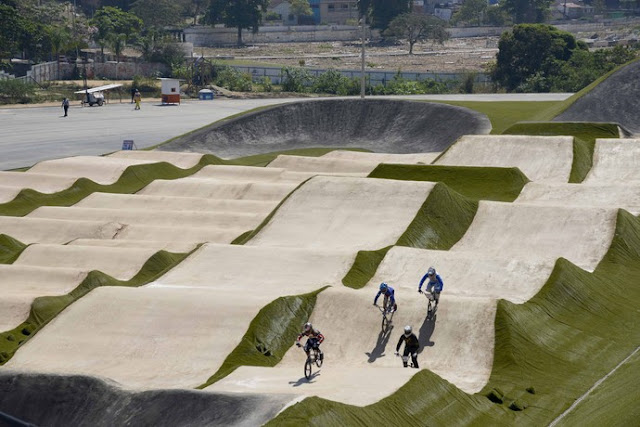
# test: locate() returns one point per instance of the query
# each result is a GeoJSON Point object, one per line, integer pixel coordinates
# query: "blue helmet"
{"type": "Point", "coordinates": [431, 271]}
{"type": "Point", "coordinates": [383, 287]}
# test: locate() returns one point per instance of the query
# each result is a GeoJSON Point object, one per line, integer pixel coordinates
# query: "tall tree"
{"type": "Point", "coordinates": [528, 11]}
{"type": "Point", "coordinates": [59, 40]}
{"type": "Point", "coordinates": [112, 20]}
{"type": "Point", "coordinates": [529, 50]}
{"type": "Point", "coordinates": [193, 8]}
{"type": "Point", "coordinates": [12, 27]}
{"type": "Point", "coordinates": [157, 13]}
{"type": "Point", "coordinates": [416, 27]}
{"type": "Point", "coordinates": [241, 14]}
{"type": "Point", "coordinates": [472, 11]}
{"type": "Point", "coordinates": [300, 7]}
{"type": "Point", "coordinates": [383, 11]}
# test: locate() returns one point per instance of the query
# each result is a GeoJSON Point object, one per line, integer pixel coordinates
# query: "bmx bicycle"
{"type": "Point", "coordinates": [387, 317]}
{"type": "Point", "coordinates": [405, 359]}
{"type": "Point", "coordinates": [312, 358]}
{"type": "Point", "coordinates": [432, 306]}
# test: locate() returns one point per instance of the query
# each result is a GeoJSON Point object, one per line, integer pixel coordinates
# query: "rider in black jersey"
{"type": "Point", "coordinates": [411, 346]}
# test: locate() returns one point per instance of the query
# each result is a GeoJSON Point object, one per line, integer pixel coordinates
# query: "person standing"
{"type": "Point", "coordinates": [137, 98]}
{"type": "Point", "coordinates": [133, 94]}
{"type": "Point", "coordinates": [65, 106]}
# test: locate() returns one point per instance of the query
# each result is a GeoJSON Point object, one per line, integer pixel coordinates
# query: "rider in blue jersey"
{"type": "Point", "coordinates": [388, 297]}
{"type": "Point", "coordinates": [434, 284]}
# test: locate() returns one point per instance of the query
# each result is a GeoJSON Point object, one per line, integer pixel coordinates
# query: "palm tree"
{"type": "Point", "coordinates": [118, 42]}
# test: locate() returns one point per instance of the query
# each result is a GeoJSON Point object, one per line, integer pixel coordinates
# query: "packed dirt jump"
{"type": "Point", "coordinates": [385, 126]}
{"type": "Point", "coordinates": [255, 252]}
{"type": "Point", "coordinates": [614, 100]}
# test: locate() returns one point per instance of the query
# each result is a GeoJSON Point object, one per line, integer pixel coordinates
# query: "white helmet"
{"type": "Point", "coordinates": [407, 330]}
{"type": "Point", "coordinates": [308, 326]}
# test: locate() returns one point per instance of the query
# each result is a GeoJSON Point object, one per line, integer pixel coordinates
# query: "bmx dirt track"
{"type": "Point", "coordinates": [386, 126]}
{"type": "Point", "coordinates": [178, 330]}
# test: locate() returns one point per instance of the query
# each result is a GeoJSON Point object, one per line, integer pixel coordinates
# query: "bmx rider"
{"type": "Point", "coordinates": [314, 339]}
{"type": "Point", "coordinates": [389, 297]}
{"type": "Point", "coordinates": [434, 285]}
{"type": "Point", "coordinates": [411, 347]}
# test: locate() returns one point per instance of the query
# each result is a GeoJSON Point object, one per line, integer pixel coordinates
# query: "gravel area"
{"type": "Point", "coordinates": [460, 54]}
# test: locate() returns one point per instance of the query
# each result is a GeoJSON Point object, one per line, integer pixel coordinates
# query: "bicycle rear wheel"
{"type": "Point", "coordinates": [318, 360]}
{"type": "Point", "coordinates": [307, 369]}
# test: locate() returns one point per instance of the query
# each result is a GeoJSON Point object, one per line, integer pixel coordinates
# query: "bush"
{"type": "Point", "coordinates": [267, 86]}
{"type": "Point", "coordinates": [468, 82]}
{"type": "Point", "coordinates": [145, 85]}
{"type": "Point", "coordinates": [295, 79]}
{"type": "Point", "coordinates": [16, 91]}
{"type": "Point", "coordinates": [233, 79]}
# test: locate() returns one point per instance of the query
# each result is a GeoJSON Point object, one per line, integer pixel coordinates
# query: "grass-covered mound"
{"type": "Point", "coordinates": [10, 249]}
{"type": "Point", "coordinates": [584, 140]}
{"type": "Point", "coordinates": [364, 267]}
{"type": "Point", "coordinates": [478, 183]}
{"type": "Point", "coordinates": [614, 402]}
{"type": "Point", "coordinates": [133, 179]}
{"type": "Point", "coordinates": [548, 352]}
{"type": "Point", "coordinates": [440, 222]}
{"type": "Point", "coordinates": [44, 309]}
{"type": "Point", "coordinates": [269, 335]}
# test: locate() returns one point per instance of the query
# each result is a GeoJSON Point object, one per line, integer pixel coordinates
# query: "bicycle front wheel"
{"type": "Point", "coordinates": [307, 369]}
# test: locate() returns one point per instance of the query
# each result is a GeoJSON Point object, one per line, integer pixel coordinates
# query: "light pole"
{"type": "Point", "coordinates": [363, 22]}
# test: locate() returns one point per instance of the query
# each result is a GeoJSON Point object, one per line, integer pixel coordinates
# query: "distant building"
{"type": "Point", "coordinates": [337, 12]}
{"type": "Point", "coordinates": [573, 10]}
{"type": "Point", "coordinates": [283, 9]}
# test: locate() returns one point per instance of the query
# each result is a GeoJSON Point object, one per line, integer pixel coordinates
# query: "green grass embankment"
{"type": "Point", "coordinates": [440, 222]}
{"type": "Point", "coordinates": [614, 402]}
{"type": "Point", "coordinates": [477, 183]}
{"type": "Point", "coordinates": [269, 335]}
{"type": "Point", "coordinates": [44, 309]}
{"type": "Point", "coordinates": [503, 114]}
{"type": "Point", "coordinates": [10, 249]}
{"type": "Point", "coordinates": [585, 135]}
{"type": "Point", "coordinates": [548, 352]}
